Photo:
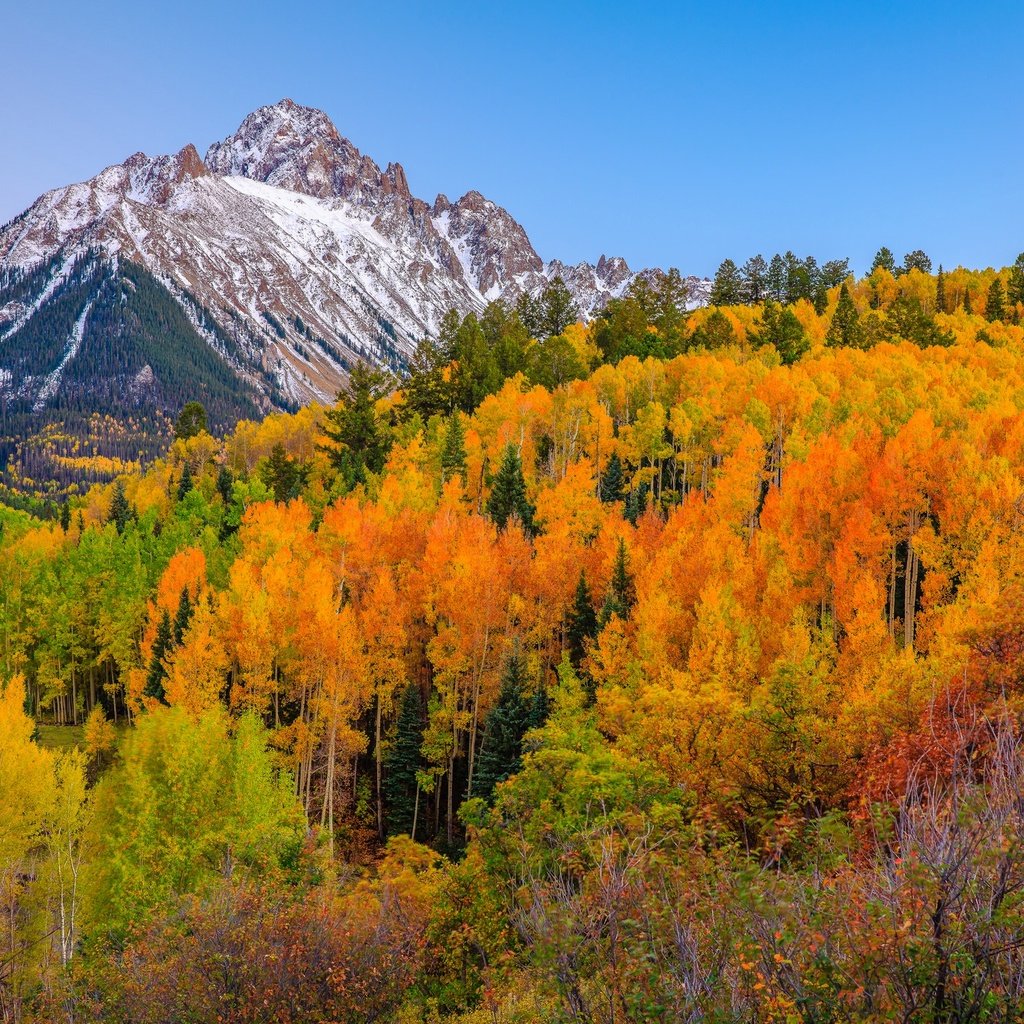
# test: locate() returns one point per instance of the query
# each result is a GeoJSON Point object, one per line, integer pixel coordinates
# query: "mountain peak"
{"type": "Point", "coordinates": [292, 147]}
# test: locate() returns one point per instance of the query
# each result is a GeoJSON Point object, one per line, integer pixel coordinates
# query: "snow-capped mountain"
{"type": "Point", "coordinates": [288, 251]}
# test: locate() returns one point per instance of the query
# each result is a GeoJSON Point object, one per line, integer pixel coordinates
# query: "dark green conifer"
{"type": "Point", "coordinates": [183, 617]}
{"type": "Point", "coordinates": [581, 624]}
{"type": "Point", "coordinates": [453, 453]}
{"type": "Point", "coordinates": [940, 291]}
{"type": "Point", "coordinates": [185, 484]}
{"type": "Point", "coordinates": [621, 595]}
{"type": "Point", "coordinates": [225, 482]}
{"type": "Point", "coordinates": [360, 442]}
{"type": "Point", "coordinates": [612, 479]}
{"type": "Point", "coordinates": [120, 510]}
{"type": "Point", "coordinates": [1015, 287]}
{"type": "Point", "coordinates": [161, 647]}
{"type": "Point", "coordinates": [65, 515]}
{"type": "Point", "coordinates": [845, 330]}
{"type": "Point", "coordinates": [994, 308]}
{"type": "Point", "coordinates": [508, 495]}
{"type": "Point", "coordinates": [507, 722]}
{"type": "Point", "coordinates": [967, 301]}
{"type": "Point", "coordinates": [401, 762]}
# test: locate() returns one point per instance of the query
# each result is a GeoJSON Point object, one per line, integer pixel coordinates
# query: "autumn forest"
{"type": "Point", "coordinates": [663, 667]}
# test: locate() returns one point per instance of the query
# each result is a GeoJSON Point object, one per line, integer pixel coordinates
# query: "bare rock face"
{"type": "Point", "coordinates": [296, 245]}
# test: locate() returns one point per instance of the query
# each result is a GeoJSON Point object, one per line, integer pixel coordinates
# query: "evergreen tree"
{"type": "Point", "coordinates": [727, 287]}
{"type": "Point", "coordinates": [884, 260]}
{"type": "Point", "coordinates": [905, 319]}
{"type": "Point", "coordinates": [540, 708]}
{"type": "Point", "coordinates": [192, 420]}
{"type": "Point", "coordinates": [780, 328]}
{"type": "Point", "coordinates": [716, 332]}
{"type": "Point", "coordinates": [775, 282]}
{"type": "Point", "coordinates": [581, 624]}
{"type": "Point", "coordinates": [508, 495]}
{"type": "Point", "coordinates": [636, 504]}
{"type": "Point", "coordinates": [1015, 288]}
{"type": "Point", "coordinates": [161, 648]}
{"type": "Point", "coordinates": [994, 308]}
{"type": "Point", "coordinates": [427, 391]}
{"type": "Point", "coordinates": [940, 291]}
{"type": "Point", "coordinates": [225, 482]}
{"type": "Point", "coordinates": [183, 617]}
{"type": "Point", "coordinates": [507, 722]}
{"type": "Point", "coordinates": [669, 312]}
{"type": "Point", "coordinates": [834, 273]}
{"type": "Point", "coordinates": [531, 314]}
{"type": "Point", "coordinates": [453, 453]}
{"type": "Point", "coordinates": [120, 511]}
{"type": "Point", "coordinates": [754, 274]}
{"type": "Point", "coordinates": [401, 763]}
{"type": "Point", "coordinates": [282, 474]}
{"type": "Point", "coordinates": [612, 479]}
{"type": "Point", "coordinates": [558, 308]}
{"type": "Point", "coordinates": [917, 260]}
{"type": "Point", "coordinates": [967, 301]}
{"type": "Point", "coordinates": [65, 515]}
{"type": "Point", "coordinates": [359, 441]}
{"type": "Point", "coordinates": [621, 595]}
{"type": "Point", "coordinates": [185, 484]}
{"type": "Point", "coordinates": [845, 330]}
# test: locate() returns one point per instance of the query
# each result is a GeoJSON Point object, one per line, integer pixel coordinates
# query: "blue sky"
{"type": "Point", "coordinates": [668, 133]}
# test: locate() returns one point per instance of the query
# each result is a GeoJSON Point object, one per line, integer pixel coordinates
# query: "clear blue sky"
{"type": "Point", "coordinates": [668, 133]}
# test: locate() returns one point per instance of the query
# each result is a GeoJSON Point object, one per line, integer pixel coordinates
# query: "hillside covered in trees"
{"type": "Point", "coordinates": [662, 668]}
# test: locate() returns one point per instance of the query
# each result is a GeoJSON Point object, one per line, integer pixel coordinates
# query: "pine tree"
{"type": "Point", "coordinates": [225, 482]}
{"type": "Point", "coordinates": [845, 329]}
{"type": "Point", "coordinates": [401, 763]}
{"type": "Point", "coordinates": [508, 495]}
{"type": "Point", "coordinates": [185, 484]}
{"type": "Point", "coordinates": [161, 648]}
{"type": "Point", "coordinates": [359, 441]}
{"type": "Point", "coordinates": [1015, 288]}
{"type": "Point", "coordinates": [507, 722]}
{"type": "Point", "coordinates": [282, 474]}
{"type": "Point", "coordinates": [558, 309]}
{"type": "Point", "coordinates": [612, 479]}
{"type": "Point", "coordinates": [968, 308]}
{"type": "Point", "coordinates": [883, 260]}
{"type": "Point", "coordinates": [65, 515]}
{"type": "Point", "coordinates": [727, 287]}
{"type": "Point", "coordinates": [540, 708]}
{"type": "Point", "coordinates": [581, 624]}
{"type": "Point", "coordinates": [754, 274]}
{"type": "Point", "coordinates": [183, 617]}
{"type": "Point", "coordinates": [775, 282]}
{"type": "Point", "coordinates": [621, 595]}
{"type": "Point", "coordinates": [940, 291]}
{"type": "Point", "coordinates": [120, 510]}
{"type": "Point", "coordinates": [191, 421]}
{"type": "Point", "coordinates": [917, 260]}
{"type": "Point", "coordinates": [994, 308]}
{"type": "Point", "coordinates": [780, 328]}
{"type": "Point", "coordinates": [453, 453]}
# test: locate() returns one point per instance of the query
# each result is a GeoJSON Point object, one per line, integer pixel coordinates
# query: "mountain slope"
{"type": "Point", "coordinates": [288, 251]}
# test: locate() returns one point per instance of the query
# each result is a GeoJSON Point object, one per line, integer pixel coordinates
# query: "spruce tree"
{"type": "Point", "coordinates": [581, 624]}
{"type": "Point", "coordinates": [558, 308]}
{"type": "Point", "coordinates": [507, 722]}
{"type": "Point", "coordinates": [120, 510]}
{"type": "Point", "coordinates": [360, 442]}
{"type": "Point", "coordinates": [884, 260]}
{"type": "Point", "coordinates": [727, 287]}
{"type": "Point", "coordinates": [282, 474]}
{"type": "Point", "coordinates": [967, 301]}
{"type": "Point", "coordinates": [453, 453]}
{"type": "Point", "coordinates": [65, 515]}
{"type": "Point", "coordinates": [185, 484]}
{"type": "Point", "coordinates": [781, 329]}
{"type": "Point", "coordinates": [845, 330]}
{"type": "Point", "coordinates": [401, 763]}
{"type": "Point", "coordinates": [508, 495]}
{"type": "Point", "coordinates": [621, 595]}
{"type": "Point", "coordinates": [191, 421]}
{"type": "Point", "coordinates": [161, 647]}
{"type": "Point", "coordinates": [612, 479]}
{"type": "Point", "coordinates": [994, 308]}
{"type": "Point", "coordinates": [183, 617]}
{"type": "Point", "coordinates": [225, 482]}
{"type": "Point", "coordinates": [940, 291]}
{"type": "Point", "coordinates": [540, 707]}
{"type": "Point", "coordinates": [917, 260]}
{"type": "Point", "coordinates": [1015, 288]}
